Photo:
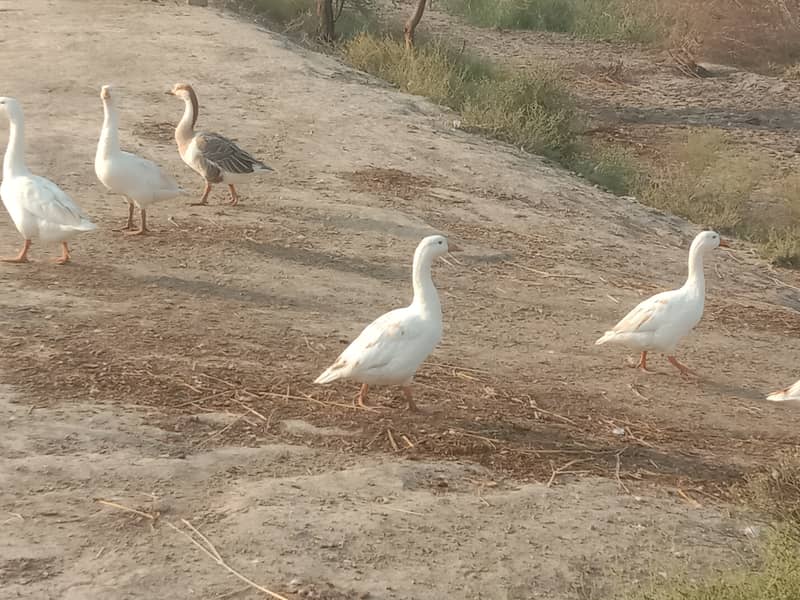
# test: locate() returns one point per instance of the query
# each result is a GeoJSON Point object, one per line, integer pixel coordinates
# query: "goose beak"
{"type": "Point", "coordinates": [169, 93]}
{"type": "Point", "coordinates": [724, 243]}
{"type": "Point", "coordinates": [453, 247]}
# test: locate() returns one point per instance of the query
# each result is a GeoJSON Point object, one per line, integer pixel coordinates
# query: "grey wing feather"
{"type": "Point", "coordinates": [226, 155]}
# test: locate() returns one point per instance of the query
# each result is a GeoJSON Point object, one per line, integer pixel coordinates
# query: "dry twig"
{"type": "Point", "coordinates": [210, 551]}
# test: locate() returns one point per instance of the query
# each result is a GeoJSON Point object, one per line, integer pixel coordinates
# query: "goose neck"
{"type": "Point", "coordinates": [184, 132]}
{"type": "Point", "coordinates": [13, 161]}
{"type": "Point", "coordinates": [109, 136]}
{"type": "Point", "coordinates": [696, 278]}
{"type": "Point", "coordinates": [426, 299]}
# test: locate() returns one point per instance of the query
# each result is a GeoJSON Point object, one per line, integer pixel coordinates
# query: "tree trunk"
{"type": "Point", "coordinates": [411, 24]}
{"type": "Point", "coordinates": [326, 20]}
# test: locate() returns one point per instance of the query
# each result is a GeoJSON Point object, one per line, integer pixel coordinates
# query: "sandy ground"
{"type": "Point", "coordinates": [171, 374]}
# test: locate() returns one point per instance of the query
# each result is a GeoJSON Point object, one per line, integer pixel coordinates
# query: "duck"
{"type": "Point", "coordinates": [658, 323]}
{"type": "Point", "coordinates": [140, 181]}
{"type": "Point", "coordinates": [391, 348]}
{"type": "Point", "coordinates": [216, 158]}
{"type": "Point", "coordinates": [37, 206]}
{"type": "Point", "coordinates": [790, 393]}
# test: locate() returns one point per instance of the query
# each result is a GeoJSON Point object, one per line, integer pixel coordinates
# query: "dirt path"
{"type": "Point", "coordinates": [172, 373]}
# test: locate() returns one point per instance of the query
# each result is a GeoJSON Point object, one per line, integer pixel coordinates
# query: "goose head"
{"type": "Point", "coordinates": [435, 246]}
{"type": "Point", "coordinates": [706, 241]}
{"type": "Point", "coordinates": [185, 92]}
{"type": "Point", "coordinates": [105, 92]}
{"type": "Point", "coordinates": [11, 107]}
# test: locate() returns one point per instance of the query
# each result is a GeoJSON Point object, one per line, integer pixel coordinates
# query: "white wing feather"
{"type": "Point", "coordinates": [377, 346]}
{"type": "Point", "coordinates": [45, 200]}
{"type": "Point", "coordinates": [648, 316]}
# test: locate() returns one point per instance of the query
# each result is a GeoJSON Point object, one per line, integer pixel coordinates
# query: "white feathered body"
{"type": "Point", "coordinates": [135, 177]}
{"type": "Point", "coordinates": [40, 209]}
{"type": "Point", "coordinates": [790, 393]}
{"type": "Point", "coordinates": [139, 179]}
{"type": "Point", "coordinates": [390, 349]}
{"type": "Point", "coordinates": [658, 323]}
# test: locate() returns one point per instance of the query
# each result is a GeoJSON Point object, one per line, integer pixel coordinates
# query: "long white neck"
{"type": "Point", "coordinates": [109, 135]}
{"type": "Point", "coordinates": [696, 280]}
{"type": "Point", "coordinates": [13, 161]}
{"type": "Point", "coordinates": [426, 299]}
{"type": "Point", "coordinates": [184, 132]}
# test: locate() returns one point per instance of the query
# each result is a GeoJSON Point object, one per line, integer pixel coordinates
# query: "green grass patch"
{"type": "Point", "coordinates": [619, 20]}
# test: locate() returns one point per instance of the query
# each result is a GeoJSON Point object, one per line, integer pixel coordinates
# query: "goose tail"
{"type": "Point", "coordinates": [779, 395]}
{"type": "Point", "coordinates": [606, 337]}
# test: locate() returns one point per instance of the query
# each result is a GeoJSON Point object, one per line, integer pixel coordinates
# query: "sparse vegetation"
{"type": "Point", "coordinates": [706, 180]}
{"type": "Point", "coordinates": [750, 33]}
{"type": "Point", "coordinates": [701, 177]}
{"type": "Point", "coordinates": [777, 578]}
{"type": "Point", "coordinates": [776, 493]}
{"type": "Point", "coordinates": [349, 16]}
{"type": "Point", "coordinates": [597, 19]}
{"type": "Point", "coordinates": [534, 112]}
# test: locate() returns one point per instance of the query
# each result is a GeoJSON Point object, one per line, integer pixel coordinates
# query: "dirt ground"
{"type": "Point", "coordinates": [172, 374]}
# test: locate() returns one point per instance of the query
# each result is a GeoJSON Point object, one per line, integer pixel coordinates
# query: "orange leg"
{"type": "Point", "coordinates": [410, 405]}
{"type": "Point", "coordinates": [642, 364]}
{"type": "Point", "coordinates": [685, 371]}
{"type": "Point", "coordinates": [143, 230]}
{"type": "Point", "coordinates": [64, 258]}
{"type": "Point", "coordinates": [234, 195]}
{"type": "Point", "coordinates": [129, 223]}
{"type": "Point", "coordinates": [362, 395]}
{"type": "Point", "coordinates": [22, 257]}
{"type": "Point", "coordinates": [204, 200]}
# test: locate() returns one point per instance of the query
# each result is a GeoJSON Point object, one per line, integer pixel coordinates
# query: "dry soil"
{"type": "Point", "coordinates": [171, 374]}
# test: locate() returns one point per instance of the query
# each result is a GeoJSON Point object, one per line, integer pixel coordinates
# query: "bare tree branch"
{"type": "Point", "coordinates": [411, 25]}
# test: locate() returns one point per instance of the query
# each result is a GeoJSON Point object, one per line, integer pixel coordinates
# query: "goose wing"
{"type": "Point", "coordinates": [44, 199]}
{"type": "Point", "coordinates": [377, 346]}
{"type": "Point", "coordinates": [226, 155]}
{"type": "Point", "coordinates": [649, 315]}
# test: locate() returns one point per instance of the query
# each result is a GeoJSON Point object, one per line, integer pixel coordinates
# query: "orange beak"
{"type": "Point", "coordinates": [453, 247]}
{"type": "Point", "coordinates": [724, 243]}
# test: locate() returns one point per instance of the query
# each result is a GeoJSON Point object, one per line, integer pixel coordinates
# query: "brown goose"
{"type": "Point", "coordinates": [215, 157]}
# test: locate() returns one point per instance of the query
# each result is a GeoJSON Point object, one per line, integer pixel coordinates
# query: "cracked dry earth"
{"type": "Point", "coordinates": [170, 375]}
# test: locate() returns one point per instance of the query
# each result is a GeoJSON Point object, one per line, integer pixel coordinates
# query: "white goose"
{"type": "Point", "coordinates": [391, 348]}
{"type": "Point", "coordinates": [140, 181]}
{"type": "Point", "coordinates": [216, 158]}
{"type": "Point", "coordinates": [790, 393]}
{"type": "Point", "coordinates": [660, 322]}
{"type": "Point", "coordinates": [38, 207]}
